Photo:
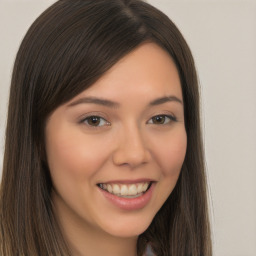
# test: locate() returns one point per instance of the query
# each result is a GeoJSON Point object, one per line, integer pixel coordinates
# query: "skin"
{"type": "Point", "coordinates": [126, 144]}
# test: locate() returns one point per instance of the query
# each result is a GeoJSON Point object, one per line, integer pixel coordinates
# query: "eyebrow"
{"type": "Point", "coordinates": [112, 104]}
{"type": "Point", "coordinates": [94, 100]}
{"type": "Point", "coordinates": [163, 100]}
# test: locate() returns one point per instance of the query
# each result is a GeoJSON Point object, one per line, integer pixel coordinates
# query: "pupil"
{"type": "Point", "coordinates": [94, 120]}
{"type": "Point", "coordinates": [159, 119]}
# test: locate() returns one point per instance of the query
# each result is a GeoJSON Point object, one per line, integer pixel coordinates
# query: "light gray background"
{"type": "Point", "coordinates": [222, 36]}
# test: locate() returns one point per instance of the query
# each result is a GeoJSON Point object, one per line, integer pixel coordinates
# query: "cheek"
{"type": "Point", "coordinates": [171, 153]}
{"type": "Point", "coordinates": [73, 156]}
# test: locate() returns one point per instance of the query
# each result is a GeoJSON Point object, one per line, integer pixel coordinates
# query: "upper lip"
{"type": "Point", "coordinates": [127, 181]}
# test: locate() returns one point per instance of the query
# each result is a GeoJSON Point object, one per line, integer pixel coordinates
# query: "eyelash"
{"type": "Point", "coordinates": [170, 117]}
{"type": "Point", "coordinates": [85, 121]}
{"type": "Point", "coordinates": [106, 123]}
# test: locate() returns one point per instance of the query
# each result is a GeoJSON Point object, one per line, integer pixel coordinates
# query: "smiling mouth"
{"type": "Point", "coordinates": [126, 190]}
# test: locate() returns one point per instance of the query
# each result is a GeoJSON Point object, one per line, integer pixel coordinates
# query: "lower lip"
{"type": "Point", "coordinates": [130, 203]}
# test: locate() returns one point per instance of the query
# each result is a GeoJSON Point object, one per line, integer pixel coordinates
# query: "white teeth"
{"type": "Point", "coordinates": [145, 187]}
{"type": "Point", "coordinates": [116, 189]}
{"type": "Point", "coordinates": [140, 188]}
{"type": "Point", "coordinates": [126, 190]}
{"type": "Point", "coordinates": [132, 190]}
{"type": "Point", "coordinates": [109, 188]}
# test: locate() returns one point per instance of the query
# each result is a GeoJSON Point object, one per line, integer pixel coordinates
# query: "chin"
{"type": "Point", "coordinates": [128, 228]}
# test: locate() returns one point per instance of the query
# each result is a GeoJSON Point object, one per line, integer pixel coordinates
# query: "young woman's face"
{"type": "Point", "coordinates": [115, 151]}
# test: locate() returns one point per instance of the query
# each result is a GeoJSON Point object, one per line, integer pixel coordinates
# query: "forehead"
{"type": "Point", "coordinates": [147, 71]}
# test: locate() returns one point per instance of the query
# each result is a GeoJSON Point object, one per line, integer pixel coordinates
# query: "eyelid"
{"type": "Point", "coordinates": [83, 116]}
{"type": "Point", "coordinates": [171, 117]}
{"type": "Point", "coordinates": [84, 120]}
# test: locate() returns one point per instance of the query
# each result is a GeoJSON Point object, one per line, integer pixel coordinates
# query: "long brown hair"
{"type": "Point", "coordinates": [71, 45]}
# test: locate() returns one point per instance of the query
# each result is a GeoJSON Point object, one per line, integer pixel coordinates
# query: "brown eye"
{"type": "Point", "coordinates": [162, 119]}
{"type": "Point", "coordinates": [95, 121]}
{"type": "Point", "coordinates": [158, 119]}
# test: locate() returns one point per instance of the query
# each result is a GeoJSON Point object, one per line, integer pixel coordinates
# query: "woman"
{"type": "Point", "coordinates": [103, 148]}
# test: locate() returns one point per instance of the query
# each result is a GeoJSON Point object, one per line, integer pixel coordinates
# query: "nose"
{"type": "Point", "coordinates": [131, 149]}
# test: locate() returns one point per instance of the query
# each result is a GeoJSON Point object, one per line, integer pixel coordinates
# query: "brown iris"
{"type": "Point", "coordinates": [158, 119]}
{"type": "Point", "coordinates": [93, 120]}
